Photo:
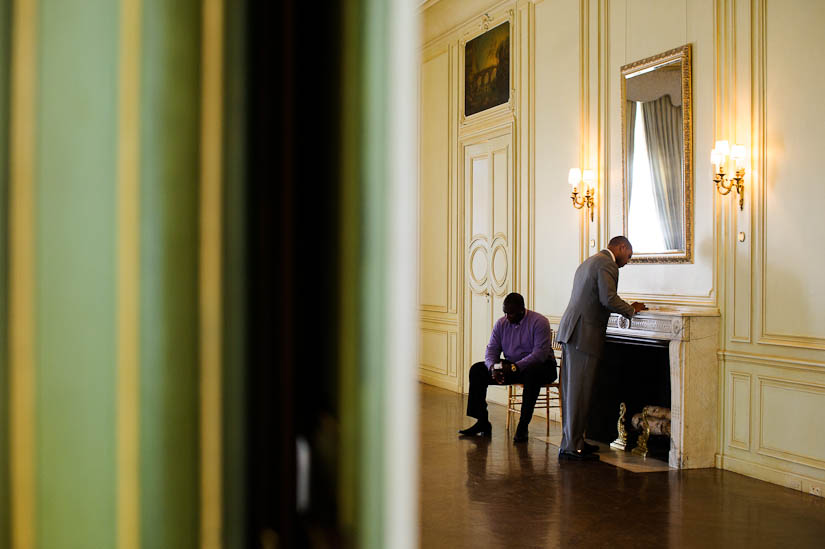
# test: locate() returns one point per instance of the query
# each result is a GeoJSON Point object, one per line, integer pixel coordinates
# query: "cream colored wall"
{"type": "Point", "coordinates": [752, 84]}
{"type": "Point", "coordinates": [439, 252]}
{"type": "Point", "coordinates": [558, 145]}
{"type": "Point", "coordinates": [639, 29]}
{"type": "Point", "coordinates": [774, 349]}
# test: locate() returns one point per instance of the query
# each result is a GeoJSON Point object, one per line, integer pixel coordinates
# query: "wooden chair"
{"type": "Point", "coordinates": [550, 395]}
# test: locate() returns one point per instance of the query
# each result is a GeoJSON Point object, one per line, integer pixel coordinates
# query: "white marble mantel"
{"type": "Point", "coordinates": [694, 380]}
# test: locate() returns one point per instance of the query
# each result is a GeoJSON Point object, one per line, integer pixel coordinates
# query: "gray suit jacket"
{"type": "Point", "coordinates": [584, 323]}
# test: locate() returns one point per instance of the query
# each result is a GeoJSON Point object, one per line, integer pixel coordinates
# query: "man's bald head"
{"type": "Point", "coordinates": [621, 248]}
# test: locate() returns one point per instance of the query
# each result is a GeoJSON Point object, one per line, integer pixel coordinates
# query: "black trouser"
{"type": "Point", "coordinates": [534, 377]}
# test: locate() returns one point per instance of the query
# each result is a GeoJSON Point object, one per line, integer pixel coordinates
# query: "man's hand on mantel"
{"type": "Point", "coordinates": [637, 307]}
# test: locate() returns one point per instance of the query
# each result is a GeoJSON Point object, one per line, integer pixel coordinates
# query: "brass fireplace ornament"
{"type": "Point", "coordinates": [587, 179]}
{"type": "Point", "coordinates": [641, 443]}
{"type": "Point", "coordinates": [719, 157]}
{"type": "Point", "coordinates": [621, 441]}
{"type": "Point", "coordinates": [653, 420]}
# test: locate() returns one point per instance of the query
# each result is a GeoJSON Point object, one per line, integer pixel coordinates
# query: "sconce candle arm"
{"type": "Point", "coordinates": [580, 201]}
{"type": "Point", "coordinates": [724, 184]}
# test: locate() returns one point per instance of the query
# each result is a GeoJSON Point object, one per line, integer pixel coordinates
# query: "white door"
{"type": "Point", "coordinates": [489, 228]}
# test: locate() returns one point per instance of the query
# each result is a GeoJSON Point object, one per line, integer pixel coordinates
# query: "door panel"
{"type": "Point", "coordinates": [480, 190]}
{"type": "Point", "coordinates": [489, 262]}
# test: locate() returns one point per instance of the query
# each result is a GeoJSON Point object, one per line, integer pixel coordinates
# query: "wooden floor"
{"type": "Point", "coordinates": [487, 492]}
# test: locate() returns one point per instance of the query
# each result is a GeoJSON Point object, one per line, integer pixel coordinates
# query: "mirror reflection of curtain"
{"type": "Point", "coordinates": [629, 140]}
{"type": "Point", "coordinates": [663, 130]}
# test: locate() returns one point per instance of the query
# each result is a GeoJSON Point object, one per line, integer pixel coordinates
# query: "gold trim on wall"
{"type": "Point", "coordinates": [602, 221]}
{"type": "Point", "coordinates": [683, 54]}
{"type": "Point", "coordinates": [210, 271]}
{"type": "Point", "coordinates": [746, 378]}
{"type": "Point", "coordinates": [584, 116]}
{"type": "Point", "coordinates": [128, 279]}
{"type": "Point", "coordinates": [22, 272]}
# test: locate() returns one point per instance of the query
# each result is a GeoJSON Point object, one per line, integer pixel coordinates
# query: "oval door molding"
{"type": "Point", "coordinates": [478, 266]}
{"type": "Point", "coordinates": [499, 265]}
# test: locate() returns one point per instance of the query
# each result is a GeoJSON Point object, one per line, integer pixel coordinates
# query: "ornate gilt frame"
{"type": "Point", "coordinates": [486, 23]}
{"type": "Point", "coordinates": [683, 54]}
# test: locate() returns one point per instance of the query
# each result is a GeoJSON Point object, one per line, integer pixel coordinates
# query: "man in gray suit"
{"type": "Point", "coordinates": [582, 332]}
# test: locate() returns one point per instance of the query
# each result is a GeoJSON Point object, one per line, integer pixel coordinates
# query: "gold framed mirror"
{"type": "Point", "coordinates": [657, 157]}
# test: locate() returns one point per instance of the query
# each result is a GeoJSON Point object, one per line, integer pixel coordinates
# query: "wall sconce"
{"type": "Point", "coordinates": [718, 157]}
{"type": "Point", "coordinates": [588, 177]}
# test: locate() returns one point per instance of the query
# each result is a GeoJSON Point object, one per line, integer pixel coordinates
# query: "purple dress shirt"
{"type": "Point", "coordinates": [525, 343]}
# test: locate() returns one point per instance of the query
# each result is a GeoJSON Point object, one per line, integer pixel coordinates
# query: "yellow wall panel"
{"type": "Point", "coordinates": [501, 202]}
{"type": "Point", "coordinates": [665, 24]}
{"type": "Point", "coordinates": [791, 421]}
{"type": "Point", "coordinates": [434, 350]}
{"type": "Point", "coordinates": [740, 410]}
{"type": "Point", "coordinates": [557, 150]}
{"type": "Point", "coordinates": [434, 205]}
{"type": "Point", "coordinates": [793, 220]}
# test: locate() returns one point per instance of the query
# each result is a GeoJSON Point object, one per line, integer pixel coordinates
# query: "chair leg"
{"type": "Point", "coordinates": [561, 406]}
{"type": "Point", "coordinates": [547, 411]}
{"type": "Point", "coordinates": [509, 406]}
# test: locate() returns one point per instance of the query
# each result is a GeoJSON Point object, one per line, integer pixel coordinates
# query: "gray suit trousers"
{"type": "Point", "coordinates": [577, 376]}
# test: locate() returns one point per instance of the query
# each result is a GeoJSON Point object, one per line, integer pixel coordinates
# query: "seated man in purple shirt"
{"type": "Point", "coordinates": [524, 338]}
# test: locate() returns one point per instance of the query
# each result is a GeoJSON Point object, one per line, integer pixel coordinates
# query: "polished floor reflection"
{"type": "Point", "coordinates": [486, 492]}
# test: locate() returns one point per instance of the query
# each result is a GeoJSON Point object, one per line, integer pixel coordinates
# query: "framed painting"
{"type": "Point", "coordinates": [487, 70]}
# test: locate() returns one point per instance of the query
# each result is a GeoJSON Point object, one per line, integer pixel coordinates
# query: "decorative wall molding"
{"type": "Point", "coordinates": [769, 473]}
{"type": "Point", "coordinates": [672, 298]}
{"type": "Point", "coordinates": [446, 316]}
{"type": "Point", "coordinates": [584, 117]}
{"type": "Point", "coordinates": [774, 361]}
{"type": "Point", "coordinates": [450, 305]}
{"type": "Point", "coordinates": [734, 379]}
{"type": "Point", "coordinates": [554, 320]}
{"type": "Point", "coordinates": [759, 90]}
{"type": "Point", "coordinates": [799, 342]}
{"type": "Point", "coordinates": [525, 182]}
{"type": "Point", "coordinates": [785, 453]}
{"type": "Point", "coordinates": [438, 317]}
{"type": "Point", "coordinates": [444, 367]}
{"type": "Point", "coordinates": [468, 24]}
{"type": "Point", "coordinates": [440, 381]}
{"type": "Point", "coordinates": [744, 120]}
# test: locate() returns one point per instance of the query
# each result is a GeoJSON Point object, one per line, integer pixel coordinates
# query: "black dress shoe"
{"type": "Point", "coordinates": [521, 433]}
{"type": "Point", "coordinates": [588, 448]}
{"type": "Point", "coordinates": [577, 456]}
{"type": "Point", "coordinates": [520, 437]}
{"type": "Point", "coordinates": [484, 428]}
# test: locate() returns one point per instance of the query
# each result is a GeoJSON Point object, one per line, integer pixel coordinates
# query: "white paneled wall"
{"type": "Point", "coordinates": [755, 81]}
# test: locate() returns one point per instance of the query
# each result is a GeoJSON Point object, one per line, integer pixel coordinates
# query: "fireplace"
{"type": "Point", "coordinates": [664, 357]}
{"type": "Point", "coordinates": [635, 371]}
